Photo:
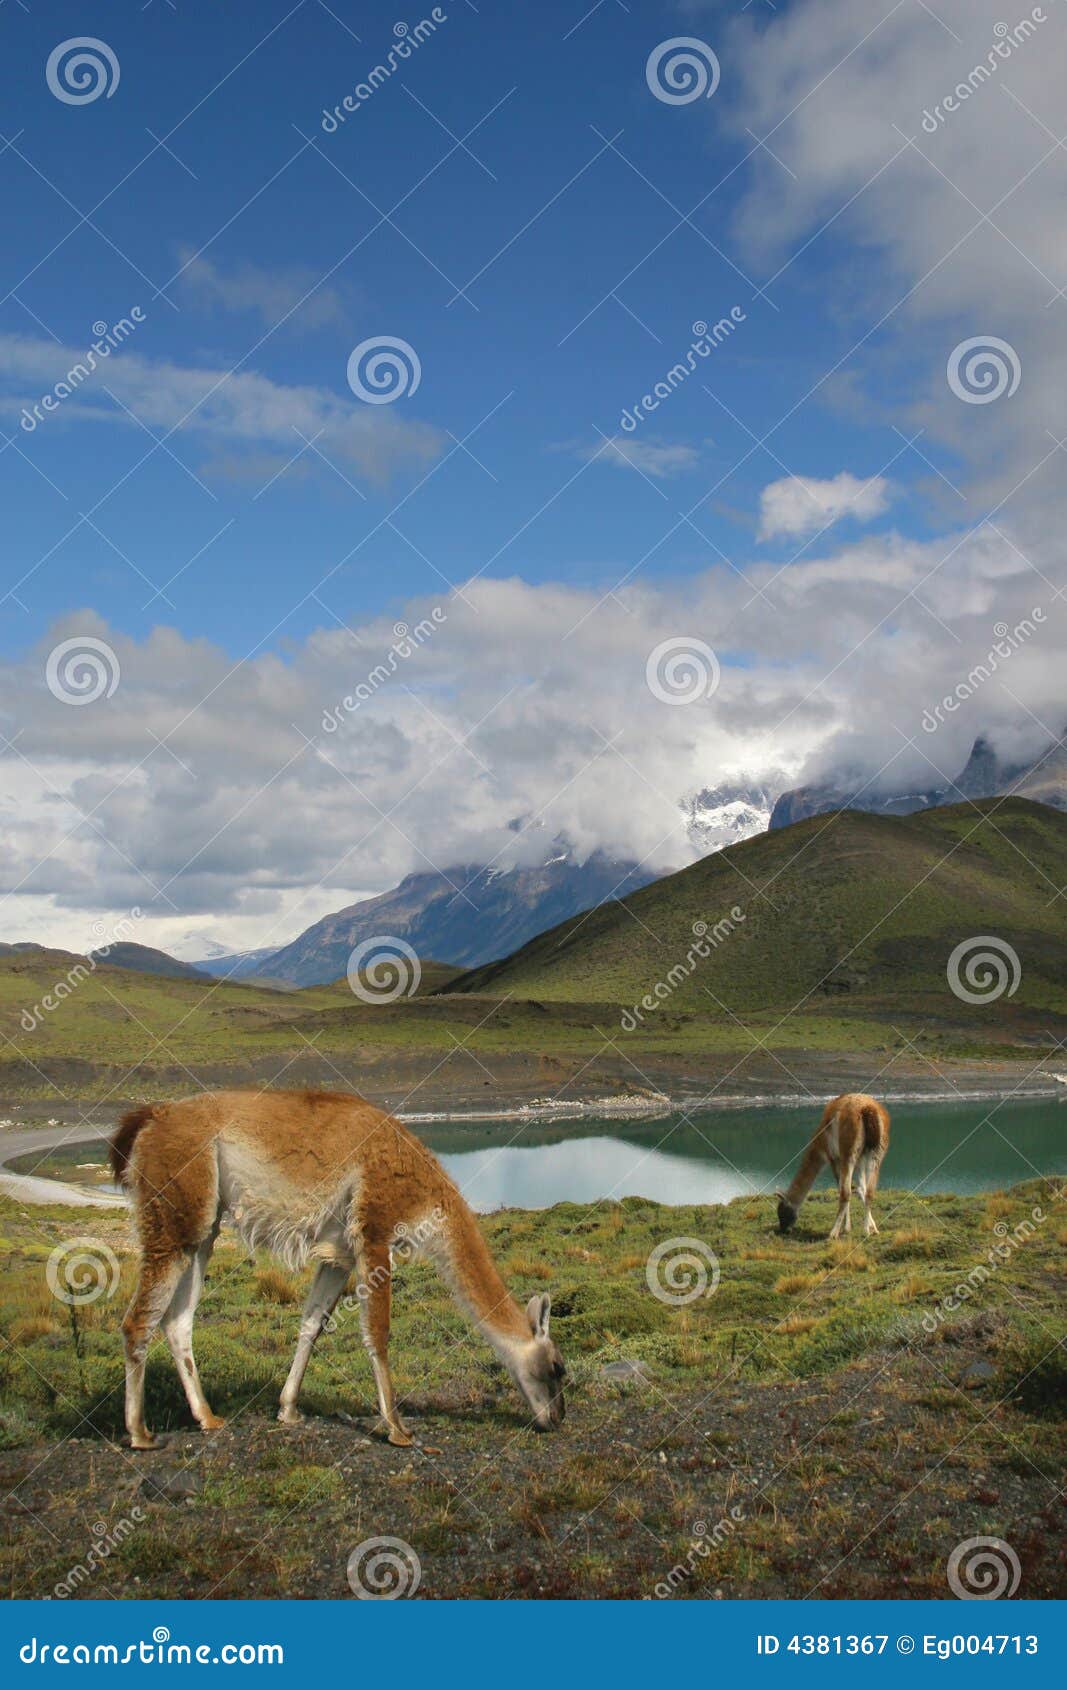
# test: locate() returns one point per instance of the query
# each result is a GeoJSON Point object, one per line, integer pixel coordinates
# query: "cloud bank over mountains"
{"type": "Point", "coordinates": [209, 789]}
{"type": "Point", "coordinates": [517, 713]}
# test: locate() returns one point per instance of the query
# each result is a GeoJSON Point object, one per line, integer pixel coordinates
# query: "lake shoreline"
{"type": "Point", "coordinates": [638, 1108]}
{"type": "Point", "coordinates": [649, 1147]}
{"type": "Point", "coordinates": [667, 1093]}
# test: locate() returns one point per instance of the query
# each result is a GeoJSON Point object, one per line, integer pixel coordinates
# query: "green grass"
{"type": "Point", "coordinates": [785, 1308]}
{"type": "Point", "coordinates": [817, 1389]}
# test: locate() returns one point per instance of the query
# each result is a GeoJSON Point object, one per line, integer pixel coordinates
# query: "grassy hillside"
{"type": "Point", "coordinates": [67, 1026]}
{"type": "Point", "coordinates": [849, 906]}
{"type": "Point", "coordinates": [848, 1423]}
{"type": "Point", "coordinates": [145, 959]}
{"type": "Point", "coordinates": [827, 948]}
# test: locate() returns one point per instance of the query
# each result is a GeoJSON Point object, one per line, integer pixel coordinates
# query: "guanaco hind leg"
{"type": "Point", "coordinates": [155, 1288]}
{"type": "Point", "coordinates": [874, 1163]}
{"type": "Point", "coordinates": [178, 1328]}
{"type": "Point", "coordinates": [375, 1312]}
{"type": "Point", "coordinates": [326, 1287]}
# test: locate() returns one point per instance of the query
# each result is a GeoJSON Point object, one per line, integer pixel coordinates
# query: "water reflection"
{"type": "Point", "coordinates": [721, 1154]}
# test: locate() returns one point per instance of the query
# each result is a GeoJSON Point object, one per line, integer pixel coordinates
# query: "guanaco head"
{"type": "Point", "coordinates": [786, 1213]}
{"type": "Point", "coordinates": [538, 1368]}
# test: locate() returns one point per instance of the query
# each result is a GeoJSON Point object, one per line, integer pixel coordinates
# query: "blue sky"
{"type": "Point", "coordinates": [831, 515]}
{"type": "Point", "coordinates": [538, 346]}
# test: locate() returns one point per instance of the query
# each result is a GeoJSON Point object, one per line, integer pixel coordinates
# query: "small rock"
{"type": "Point", "coordinates": [625, 1372]}
{"type": "Point", "coordinates": [177, 1485]}
{"type": "Point", "coordinates": [977, 1373]}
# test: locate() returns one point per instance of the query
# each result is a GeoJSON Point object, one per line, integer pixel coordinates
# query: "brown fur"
{"type": "Point", "coordinates": [122, 1139]}
{"type": "Point", "coordinates": [314, 1175]}
{"type": "Point", "coordinates": [853, 1132]}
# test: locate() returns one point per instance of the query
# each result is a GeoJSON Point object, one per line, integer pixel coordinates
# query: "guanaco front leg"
{"type": "Point", "coordinates": [375, 1309]}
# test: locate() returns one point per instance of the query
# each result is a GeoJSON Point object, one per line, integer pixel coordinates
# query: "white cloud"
{"type": "Point", "coordinates": [652, 457]}
{"type": "Point", "coordinates": [528, 702]}
{"type": "Point", "coordinates": [795, 505]}
{"type": "Point", "coordinates": [241, 409]}
{"type": "Point", "coordinates": [947, 235]}
{"type": "Point", "coordinates": [271, 295]}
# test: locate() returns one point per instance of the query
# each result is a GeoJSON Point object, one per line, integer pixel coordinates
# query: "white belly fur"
{"type": "Point", "coordinates": [269, 1213]}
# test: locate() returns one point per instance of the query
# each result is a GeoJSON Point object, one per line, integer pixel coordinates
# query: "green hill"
{"type": "Point", "coordinates": [74, 1028]}
{"type": "Point", "coordinates": [855, 910]}
{"type": "Point", "coordinates": [145, 959]}
{"type": "Point", "coordinates": [827, 945]}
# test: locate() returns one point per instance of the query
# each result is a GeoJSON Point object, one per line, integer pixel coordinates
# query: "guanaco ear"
{"type": "Point", "coordinates": [537, 1313]}
{"type": "Point", "coordinates": [780, 1195]}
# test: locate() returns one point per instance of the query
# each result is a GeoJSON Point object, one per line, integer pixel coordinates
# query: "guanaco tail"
{"type": "Point", "coordinates": [313, 1176]}
{"type": "Point", "coordinates": [853, 1136]}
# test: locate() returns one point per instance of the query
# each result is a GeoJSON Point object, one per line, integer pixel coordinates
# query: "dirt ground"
{"type": "Point", "coordinates": [748, 1493]}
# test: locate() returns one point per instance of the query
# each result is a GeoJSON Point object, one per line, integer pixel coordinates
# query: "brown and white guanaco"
{"type": "Point", "coordinates": [313, 1176]}
{"type": "Point", "coordinates": [853, 1137]}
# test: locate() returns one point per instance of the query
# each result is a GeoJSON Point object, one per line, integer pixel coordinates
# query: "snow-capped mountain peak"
{"type": "Point", "coordinates": [724, 815]}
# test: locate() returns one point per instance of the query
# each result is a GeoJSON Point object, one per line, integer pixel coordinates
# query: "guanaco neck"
{"type": "Point", "coordinates": [477, 1285]}
{"type": "Point", "coordinates": [806, 1174]}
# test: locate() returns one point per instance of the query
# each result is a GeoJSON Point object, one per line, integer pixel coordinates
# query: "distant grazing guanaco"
{"type": "Point", "coordinates": [313, 1176]}
{"type": "Point", "coordinates": [853, 1136]}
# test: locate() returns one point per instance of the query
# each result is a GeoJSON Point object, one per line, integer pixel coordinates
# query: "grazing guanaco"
{"type": "Point", "coordinates": [853, 1136]}
{"type": "Point", "coordinates": [313, 1176]}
